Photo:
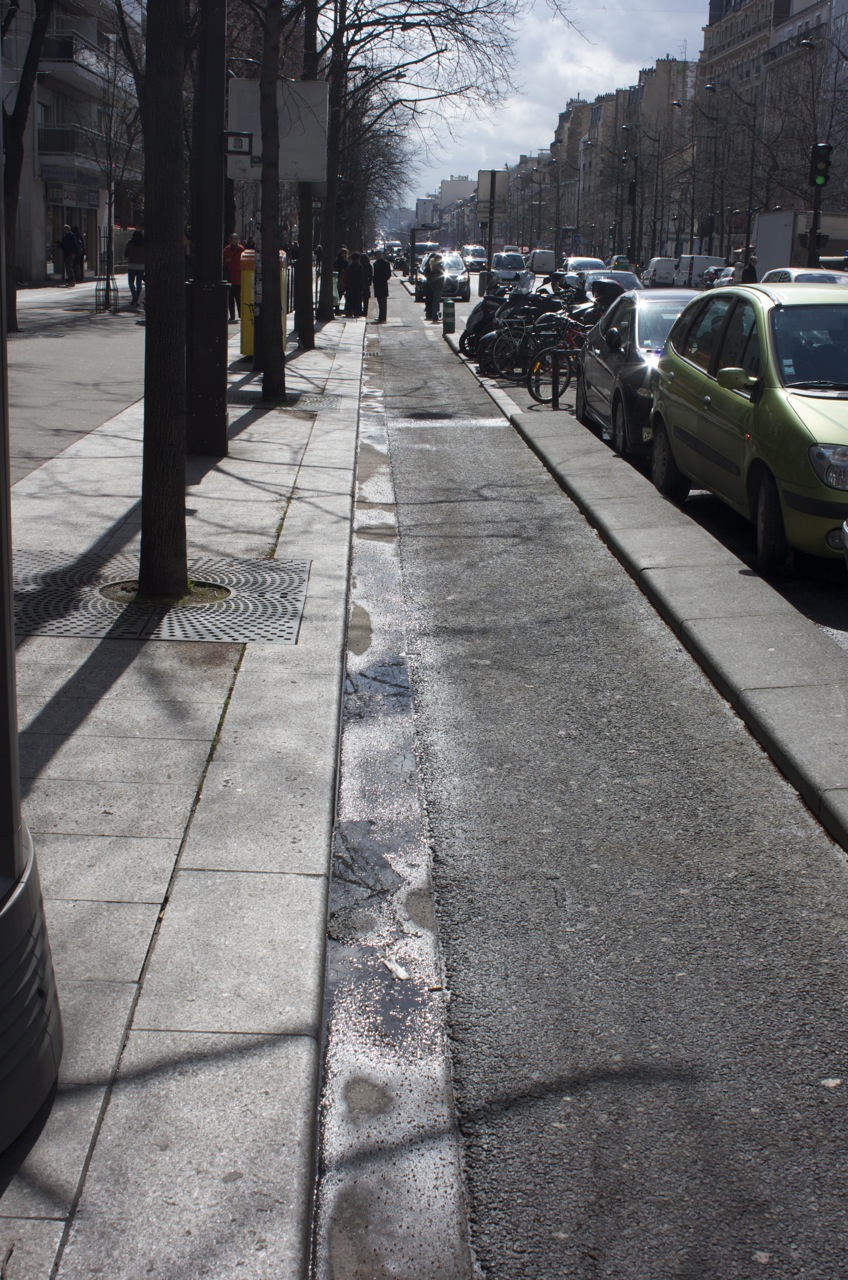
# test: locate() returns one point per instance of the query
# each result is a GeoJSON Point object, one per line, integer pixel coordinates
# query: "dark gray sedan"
{"type": "Point", "coordinates": [614, 366]}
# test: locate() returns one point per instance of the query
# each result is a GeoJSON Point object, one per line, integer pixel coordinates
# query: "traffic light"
{"type": "Point", "coordinates": [820, 164]}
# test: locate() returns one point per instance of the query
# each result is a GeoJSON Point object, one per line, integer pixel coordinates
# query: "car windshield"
{"type": "Point", "coordinates": [509, 262]}
{"type": "Point", "coordinates": [811, 345]}
{"type": "Point", "coordinates": [821, 277]}
{"type": "Point", "coordinates": [626, 279]}
{"type": "Point", "coordinates": [653, 321]}
{"type": "Point", "coordinates": [452, 262]}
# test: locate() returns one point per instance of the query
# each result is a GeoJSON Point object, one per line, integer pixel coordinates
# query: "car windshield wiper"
{"type": "Point", "coordinates": [820, 384]}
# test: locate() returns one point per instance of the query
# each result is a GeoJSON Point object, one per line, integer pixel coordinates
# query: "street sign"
{"type": "Point", "coordinates": [303, 108]}
{"type": "Point", "coordinates": [492, 193]}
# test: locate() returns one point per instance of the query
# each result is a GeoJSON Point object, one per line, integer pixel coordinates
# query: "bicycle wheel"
{"type": "Point", "coordinates": [507, 358]}
{"type": "Point", "coordinates": [540, 377]}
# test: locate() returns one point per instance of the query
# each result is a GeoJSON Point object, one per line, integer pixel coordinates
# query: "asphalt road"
{"type": "Point", "coordinates": [644, 931]}
{"type": "Point", "coordinates": [69, 371]}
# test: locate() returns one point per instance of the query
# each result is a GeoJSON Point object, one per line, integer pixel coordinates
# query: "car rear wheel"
{"type": "Point", "coordinates": [620, 442]}
{"type": "Point", "coordinates": [772, 550]}
{"type": "Point", "coordinates": [665, 473]}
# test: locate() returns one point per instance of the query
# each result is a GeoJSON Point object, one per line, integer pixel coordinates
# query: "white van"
{"type": "Point", "coordinates": [659, 273]}
{"type": "Point", "coordinates": [541, 261]}
{"type": "Point", "coordinates": [690, 267]}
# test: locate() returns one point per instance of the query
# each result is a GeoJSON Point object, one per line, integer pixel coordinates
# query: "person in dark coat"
{"type": "Point", "coordinates": [354, 287]}
{"type": "Point", "coordinates": [70, 249]}
{"type": "Point", "coordinates": [369, 280]}
{"type": "Point", "coordinates": [382, 276]}
{"type": "Point", "coordinates": [749, 271]}
{"type": "Point", "coordinates": [79, 265]}
{"type": "Point", "coordinates": [340, 267]}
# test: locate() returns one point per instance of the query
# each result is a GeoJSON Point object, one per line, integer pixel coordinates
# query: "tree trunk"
{"type": "Point", "coordinates": [303, 276]}
{"type": "Point", "coordinates": [12, 170]}
{"type": "Point", "coordinates": [270, 332]}
{"type": "Point", "coordinates": [14, 128]}
{"type": "Point", "coordinates": [163, 569]}
{"type": "Point", "coordinates": [305, 303]}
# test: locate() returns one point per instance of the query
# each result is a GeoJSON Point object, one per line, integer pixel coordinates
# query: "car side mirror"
{"type": "Point", "coordinates": [612, 338]}
{"type": "Point", "coordinates": [733, 379]}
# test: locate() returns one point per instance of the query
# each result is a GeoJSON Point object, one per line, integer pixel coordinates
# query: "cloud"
{"type": "Point", "coordinates": [555, 64]}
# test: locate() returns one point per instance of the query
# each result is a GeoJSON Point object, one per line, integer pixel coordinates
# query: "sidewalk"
{"type": "Point", "coordinates": [180, 796]}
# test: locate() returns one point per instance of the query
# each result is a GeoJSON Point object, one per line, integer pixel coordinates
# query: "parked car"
{"type": "Point", "coordinates": [712, 275]}
{"type": "Point", "coordinates": [716, 277]}
{"type": "Point", "coordinates": [626, 279]}
{"type": "Point", "coordinates": [749, 402]}
{"type": "Point", "coordinates": [508, 268]}
{"type": "Point", "coordinates": [474, 257]}
{"type": "Point", "coordinates": [659, 273]}
{"type": "Point", "coordinates": [456, 284]}
{"type": "Point", "coordinates": [804, 275]}
{"type": "Point", "coordinates": [582, 264]}
{"type": "Point", "coordinates": [616, 362]}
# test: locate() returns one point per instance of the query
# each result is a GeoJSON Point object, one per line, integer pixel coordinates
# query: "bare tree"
{"type": "Point", "coordinates": [14, 127]}
{"type": "Point", "coordinates": [396, 63]}
{"type": "Point", "coordinates": [113, 139]}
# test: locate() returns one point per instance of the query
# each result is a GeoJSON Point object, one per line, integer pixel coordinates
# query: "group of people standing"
{"type": "Point", "coordinates": [357, 277]}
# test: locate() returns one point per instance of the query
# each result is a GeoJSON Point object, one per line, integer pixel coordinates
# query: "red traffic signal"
{"type": "Point", "coordinates": [820, 164]}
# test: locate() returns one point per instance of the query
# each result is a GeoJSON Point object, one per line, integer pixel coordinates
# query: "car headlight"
{"type": "Point", "coordinates": [830, 463]}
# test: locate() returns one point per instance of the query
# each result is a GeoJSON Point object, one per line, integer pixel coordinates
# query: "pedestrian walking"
{"type": "Point", "coordinates": [233, 251]}
{"type": "Point", "coordinates": [134, 254]}
{"type": "Point", "coordinates": [70, 249]}
{"type": "Point", "coordinates": [79, 264]}
{"type": "Point", "coordinates": [382, 276]}
{"type": "Point", "coordinates": [318, 255]}
{"type": "Point", "coordinates": [434, 274]}
{"type": "Point", "coordinates": [354, 287]}
{"type": "Point", "coordinates": [749, 271]}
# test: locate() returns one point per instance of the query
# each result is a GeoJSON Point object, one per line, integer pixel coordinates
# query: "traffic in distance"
{"type": "Point", "coordinates": [710, 378]}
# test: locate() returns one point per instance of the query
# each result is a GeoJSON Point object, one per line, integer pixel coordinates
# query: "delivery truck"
{"type": "Point", "coordinates": [781, 238]}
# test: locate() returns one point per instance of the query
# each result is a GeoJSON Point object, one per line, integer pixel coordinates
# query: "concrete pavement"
{"type": "Point", "coordinates": [181, 800]}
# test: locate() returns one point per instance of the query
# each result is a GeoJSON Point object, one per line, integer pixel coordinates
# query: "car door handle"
{"type": "Point", "coordinates": [707, 402]}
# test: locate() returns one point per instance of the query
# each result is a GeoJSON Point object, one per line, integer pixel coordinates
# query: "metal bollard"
{"type": "Point", "coordinates": [448, 315]}
{"type": "Point", "coordinates": [555, 357]}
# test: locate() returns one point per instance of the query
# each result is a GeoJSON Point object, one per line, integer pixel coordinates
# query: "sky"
{"type": "Point", "coordinates": [555, 63]}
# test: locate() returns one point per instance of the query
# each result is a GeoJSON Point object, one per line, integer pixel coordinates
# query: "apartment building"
{"type": "Point", "coordinates": [82, 145]}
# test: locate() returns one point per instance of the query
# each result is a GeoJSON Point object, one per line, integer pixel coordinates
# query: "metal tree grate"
{"type": "Point", "coordinates": [55, 598]}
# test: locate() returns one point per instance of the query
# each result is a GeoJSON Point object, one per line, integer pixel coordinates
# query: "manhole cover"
{"type": "Point", "coordinates": [55, 598]}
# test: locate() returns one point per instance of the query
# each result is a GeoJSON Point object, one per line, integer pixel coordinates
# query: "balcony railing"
{"type": "Point", "coordinates": [71, 47]}
{"type": "Point", "coordinates": [61, 139]}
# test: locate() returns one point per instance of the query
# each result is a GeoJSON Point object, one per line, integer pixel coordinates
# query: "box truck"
{"type": "Point", "coordinates": [781, 238]}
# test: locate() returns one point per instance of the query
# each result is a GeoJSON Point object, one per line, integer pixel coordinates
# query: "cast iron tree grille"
{"type": "Point", "coordinates": [57, 598]}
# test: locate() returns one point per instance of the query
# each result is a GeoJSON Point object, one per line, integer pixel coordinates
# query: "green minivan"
{"type": "Point", "coordinates": [750, 401]}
